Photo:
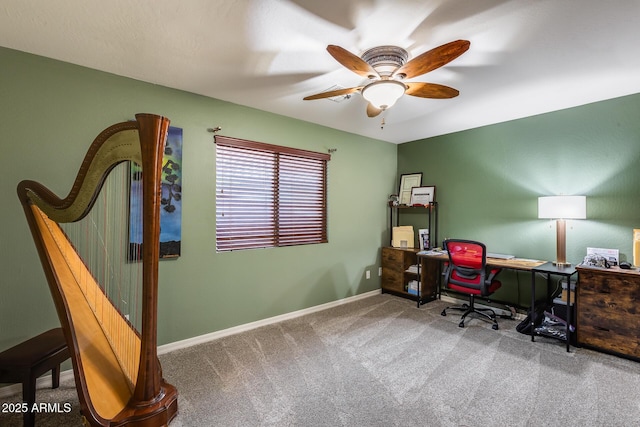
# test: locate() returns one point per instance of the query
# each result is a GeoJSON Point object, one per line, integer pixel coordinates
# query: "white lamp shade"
{"type": "Point", "coordinates": [562, 207]}
{"type": "Point", "coordinates": [384, 93]}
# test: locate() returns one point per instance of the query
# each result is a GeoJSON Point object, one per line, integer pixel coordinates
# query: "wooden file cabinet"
{"type": "Point", "coordinates": [395, 277]}
{"type": "Point", "coordinates": [608, 310]}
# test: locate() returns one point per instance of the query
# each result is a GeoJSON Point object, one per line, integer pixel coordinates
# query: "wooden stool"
{"type": "Point", "coordinates": [25, 362]}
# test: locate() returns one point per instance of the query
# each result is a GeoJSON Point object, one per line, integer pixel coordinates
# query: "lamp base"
{"type": "Point", "coordinates": [561, 264]}
{"type": "Point", "coordinates": [561, 240]}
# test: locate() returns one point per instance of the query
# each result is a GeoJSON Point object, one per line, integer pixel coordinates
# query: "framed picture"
{"type": "Point", "coordinates": [423, 195]}
{"type": "Point", "coordinates": [407, 182]}
{"type": "Point", "coordinates": [171, 203]}
{"type": "Point", "coordinates": [423, 237]}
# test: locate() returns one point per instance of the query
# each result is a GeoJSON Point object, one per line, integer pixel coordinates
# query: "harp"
{"type": "Point", "coordinates": [105, 287]}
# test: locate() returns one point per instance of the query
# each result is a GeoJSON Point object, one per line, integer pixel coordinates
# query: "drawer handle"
{"type": "Point", "coordinates": [600, 328]}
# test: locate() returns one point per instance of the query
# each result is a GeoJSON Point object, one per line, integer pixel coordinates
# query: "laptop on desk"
{"type": "Point", "coordinates": [499, 256]}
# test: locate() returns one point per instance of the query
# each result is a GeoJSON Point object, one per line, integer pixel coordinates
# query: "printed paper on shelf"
{"type": "Point", "coordinates": [611, 255]}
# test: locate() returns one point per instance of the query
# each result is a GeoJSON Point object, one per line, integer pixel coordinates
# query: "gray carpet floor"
{"type": "Point", "coordinates": [381, 361]}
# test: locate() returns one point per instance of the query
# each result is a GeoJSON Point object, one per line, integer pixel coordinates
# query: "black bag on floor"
{"type": "Point", "coordinates": [524, 327]}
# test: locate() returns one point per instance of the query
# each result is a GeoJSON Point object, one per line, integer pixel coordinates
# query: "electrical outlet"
{"type": "Point", "coordinates": [379, 271]}
{"type": "Point", "coordinates": [367, 274]}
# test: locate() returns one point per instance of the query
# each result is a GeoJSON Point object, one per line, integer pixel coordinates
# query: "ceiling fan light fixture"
{"type": "Point", "coordinates": [384, 93]}
{"type": "Point", "coordinates": [385, 59]}
{"type": "Point", "coordinates": [389, 66]}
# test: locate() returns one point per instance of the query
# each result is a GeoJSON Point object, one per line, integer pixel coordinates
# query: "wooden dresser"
{"type": "Point", "coordinates": [608, 310]}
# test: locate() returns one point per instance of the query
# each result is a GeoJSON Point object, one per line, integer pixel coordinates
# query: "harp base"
{"type": "Point", "coordinates": [159, 412]}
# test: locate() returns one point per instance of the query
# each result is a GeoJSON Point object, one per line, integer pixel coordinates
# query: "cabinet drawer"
{"type": "Point", "coordinates": [617, 285]}
{"type": "Point", "coordinates": [392, 256]}
{"type": "Point", "coordinates": [392, 268]}
{"type": "Point", "coordinates": [609, 311]}
{"type": "Point", "coordinates": [392, 280]}
{"type": "Point", "coordinates": [609, 340]}
{"type": "Point", "coordinates": [618, 323]}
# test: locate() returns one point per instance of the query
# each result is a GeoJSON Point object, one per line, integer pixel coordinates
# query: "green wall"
{"type": "Point", "coordinates": [488, 181]}
{"type": "Point", "coordinates": [50, 112]}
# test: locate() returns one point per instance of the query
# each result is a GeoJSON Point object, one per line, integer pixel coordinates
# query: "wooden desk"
{"type": "Point", "coordinates": [520, 264]}
{"type": "Point", "coordinates": [512, 264]}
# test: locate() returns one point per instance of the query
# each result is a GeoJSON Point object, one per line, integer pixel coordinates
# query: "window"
{"type": "Point", "coordinates": [267, 195]}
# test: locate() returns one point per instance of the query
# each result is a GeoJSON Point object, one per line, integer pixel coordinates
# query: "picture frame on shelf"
{"type": "Point", "coordinates": [407, 182]}
{"type": "Point", "coordinates": [423, 195]}
{"type": "Point", "coordinates": [423, 238]}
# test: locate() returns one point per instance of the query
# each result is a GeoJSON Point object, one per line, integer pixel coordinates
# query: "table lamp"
{"type": "Point", "coordinates": [562, 208]}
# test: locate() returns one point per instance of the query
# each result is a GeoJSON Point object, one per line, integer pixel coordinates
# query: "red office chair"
{"type": "Point", "coordinates": [468, 273]}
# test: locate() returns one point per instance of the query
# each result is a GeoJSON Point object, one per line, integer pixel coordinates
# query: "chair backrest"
{"type": "Point", "coordinates": [467, 266]}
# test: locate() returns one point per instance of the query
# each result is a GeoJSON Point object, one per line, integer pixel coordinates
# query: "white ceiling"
{"type": "Point", "coordinates": [527, 56]}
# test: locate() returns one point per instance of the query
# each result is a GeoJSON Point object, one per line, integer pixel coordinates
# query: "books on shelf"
{"type": "Point", "coordinates": [415, 269]}
{"type": "Point", "coordinates": [433, 252]}
{"type": "Point", "coordinates": [412, 287]}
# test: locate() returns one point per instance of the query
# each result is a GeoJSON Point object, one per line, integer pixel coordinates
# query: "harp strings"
{"type": "Point", "coordinates": [103, 240]}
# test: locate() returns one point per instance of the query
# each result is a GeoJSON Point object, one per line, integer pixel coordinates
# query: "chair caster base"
{"type": "Point", "coordinates": [486, 313]}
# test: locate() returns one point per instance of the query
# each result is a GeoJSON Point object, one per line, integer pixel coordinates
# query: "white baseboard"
{"type": "Point", "coordinates": [166, 348]}
{"type": "Point", "coordinates": [45, 381]}
{"type": "Point", "coordinates": [42, 382]}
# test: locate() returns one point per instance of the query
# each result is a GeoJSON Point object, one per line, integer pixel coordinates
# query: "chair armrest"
{"type": "Point", "coordinates": [491, 274]}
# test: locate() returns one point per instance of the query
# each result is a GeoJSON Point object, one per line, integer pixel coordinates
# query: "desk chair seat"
{"type": "Point", "coordinates": [468, 273]}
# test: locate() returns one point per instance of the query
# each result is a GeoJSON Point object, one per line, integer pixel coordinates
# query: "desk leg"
{"type": "Point", "coordinates": [419, 263]}
{"type": "Point", "coordinates": [569, 317]}
{"type": "Point", "coordinates": [439, 282]}
{"type": "Point", "coordinates": [533, 303]}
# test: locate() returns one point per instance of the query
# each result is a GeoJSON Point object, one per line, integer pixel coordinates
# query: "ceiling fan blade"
{"type": "Point", "coordinates": [352, 62]}
{"type": "Point", "coordinates": [372, 111]}
{"type": "Point", "coordinates": [332, 93]}
{"type": "Point", "coordinates": [430, 90]}
{"type": "Point", "coordinates": [433, 59]}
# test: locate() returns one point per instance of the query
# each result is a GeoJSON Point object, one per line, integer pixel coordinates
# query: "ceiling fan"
{"type": "Point", "coordinates": [387, 68]}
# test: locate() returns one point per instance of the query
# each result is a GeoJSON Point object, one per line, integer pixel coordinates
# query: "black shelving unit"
{"type": "Point", "coordinates": [431, 211]}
